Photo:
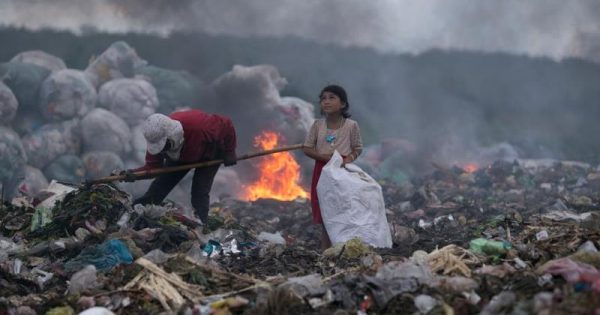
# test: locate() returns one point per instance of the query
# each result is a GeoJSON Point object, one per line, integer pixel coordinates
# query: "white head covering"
{"type": "Point", "coordinates": [159, 128]}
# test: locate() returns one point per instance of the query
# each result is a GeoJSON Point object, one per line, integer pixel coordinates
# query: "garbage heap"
{"type": "Point", "coordinates": [515, 237]}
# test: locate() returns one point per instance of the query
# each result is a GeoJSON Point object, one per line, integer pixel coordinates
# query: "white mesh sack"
{"type": "Point", "coordinates": [101, 163]}
{"type": "Point", "coordinates": [12, 155]}
{"type": "Point", "coordinates": [40, 58]}
{"type": "Point", "coordinates": [105, 131]}
{"type": "Point", "coordinates": [8, 104]}
{"type": "Point", "coordinates": [66, 94]}
{"type": "Point", "coordinates": [66, 168]}
{"type": "Point", "coordinates": [118, 61]}
{"type": "Point", "coordinates": [27, 121]}
{"type": "Point", "coordinates": [50, 141]}
{"type": "Point", "coordinates": [24, 80]}
{"type": "Point", "coordinates": [131, 99]}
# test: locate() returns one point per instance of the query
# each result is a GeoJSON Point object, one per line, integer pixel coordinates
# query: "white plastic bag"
{"type": "Point", "coordinates": [352, 204]}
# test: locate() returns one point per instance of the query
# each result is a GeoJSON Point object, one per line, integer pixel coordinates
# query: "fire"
{"type": "Point", "coordinates": [470, 168]}
{"type": "Point", "coordinates": [279, 173]}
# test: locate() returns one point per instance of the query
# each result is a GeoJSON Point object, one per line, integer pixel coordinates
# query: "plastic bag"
{"type": "Point", "coordinates": [104, 256]}
{"type": "Point", "coordinates": [8, 104]}
{"type": "Point", "coordinates": [66, 94]}
{"type": "Point", "coordinates": [33, 182]}
{"type": "Point", "coordinates": [83, 280]}
{"type": "Point", "coordinates": [50, 141]}
{"type": "Point", "coordinates": [131, 99]}
{"type": "Point", "coordinates": [101, 163]}
{"type": "Point", "coordinates": [40, 58]}
{"type": "Point", "coordinates": [24, 80]}
{"type": "Point", "coordinates": [117, 61]}
{"type": "Point", "coordinates": [352, 205]}
{"type": "Point", "coordinates": [175, 89]}
{"type": "Point", "coordinates": [105, 131]}
{"type": "Point", "coordinates": [66, 168]}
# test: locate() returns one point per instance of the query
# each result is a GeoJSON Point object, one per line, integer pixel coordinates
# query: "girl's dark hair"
{"type": "Point", "coordinates": [341, 93]}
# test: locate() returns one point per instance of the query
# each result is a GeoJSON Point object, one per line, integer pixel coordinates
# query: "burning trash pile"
{"type": "Point", "coordinates": [509, 238]}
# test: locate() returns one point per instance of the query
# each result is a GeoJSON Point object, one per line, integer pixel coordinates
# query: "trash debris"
{"type": "Point", "coordinates": [274, 238]}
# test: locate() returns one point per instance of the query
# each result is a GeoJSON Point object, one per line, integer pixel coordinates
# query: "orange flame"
{"type": "Point", "coordinates": [279, 173]}
{"type": "Point", "coordinates": [470, 168]}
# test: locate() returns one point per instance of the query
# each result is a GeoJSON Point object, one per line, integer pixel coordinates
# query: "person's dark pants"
{"type": "Point", "coordinates": [201, 185]}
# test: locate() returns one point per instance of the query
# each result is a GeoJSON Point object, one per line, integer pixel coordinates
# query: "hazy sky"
{"type": "Point", "coordinates": [552, 28]}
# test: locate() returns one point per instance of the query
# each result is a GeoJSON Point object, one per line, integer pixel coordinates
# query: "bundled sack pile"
{"type": "Point", "coordinates": [68, 124]}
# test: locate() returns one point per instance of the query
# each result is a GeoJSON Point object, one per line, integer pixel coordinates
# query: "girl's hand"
{"type": "Point", "coordinates": [347, 160]}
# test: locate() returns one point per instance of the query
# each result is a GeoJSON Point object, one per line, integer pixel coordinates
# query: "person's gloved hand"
{"type": "Point", "coordinates": [230, 159]}
{"type": "Point", "coordinates": [128, 176]}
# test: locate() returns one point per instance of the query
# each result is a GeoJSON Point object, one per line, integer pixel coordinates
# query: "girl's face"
{"type": "Point", "coordinates": [331, 103]}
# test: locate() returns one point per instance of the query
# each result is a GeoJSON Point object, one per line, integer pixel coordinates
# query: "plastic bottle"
{"type": "Point", "coordinates": [489, 247]}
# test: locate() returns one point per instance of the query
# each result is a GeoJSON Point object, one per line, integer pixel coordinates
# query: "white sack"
{"type": "Point", "coordinates": [352, 204]}
{"type": "Point", "coordinates": [8, 104]}
{"type": "Point", "coordinates": [105, 131]}
{"type": "Point", "coordinates": [131, 99]}
{"type": "Point", "coordinates": [66, 94]}
{"type": "Point", "coordinates": [117, 61]}
{"type": "Point", "coordinates": [40, 58]}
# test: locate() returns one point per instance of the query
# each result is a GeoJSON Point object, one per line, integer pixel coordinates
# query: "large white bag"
{"type": "Point", "coordinates": [352, 204]}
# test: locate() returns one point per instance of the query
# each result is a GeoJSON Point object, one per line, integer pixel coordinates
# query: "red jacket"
{"type": "Point", "coordinates": [206, 137]}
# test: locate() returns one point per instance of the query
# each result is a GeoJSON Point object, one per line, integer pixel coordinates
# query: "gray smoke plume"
{"type": "Point", "coordinates": [551, 28]}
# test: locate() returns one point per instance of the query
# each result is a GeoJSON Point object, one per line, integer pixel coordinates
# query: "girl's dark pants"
{"type": "Point", "coordinates": [201, 185]}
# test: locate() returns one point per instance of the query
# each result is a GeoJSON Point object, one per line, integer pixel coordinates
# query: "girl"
{"type": "Point", "coordinates": [334, 132]}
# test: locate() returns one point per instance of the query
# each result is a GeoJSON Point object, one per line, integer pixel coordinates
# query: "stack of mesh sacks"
{"type": "Point", "coordinates": [70, 125]}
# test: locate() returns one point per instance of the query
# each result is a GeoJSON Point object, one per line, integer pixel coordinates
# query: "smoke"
{"type": "Point", "coordinates": [550, 28]}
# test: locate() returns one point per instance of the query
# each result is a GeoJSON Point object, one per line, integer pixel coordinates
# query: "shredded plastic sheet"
{"type": "Point", "coordinates": [131, 99]}
{"type": "Point", "coordinates": [105, 131]}
{"type": "Point", "coordinates": [40, 58]}
{"type": "Point", "coordinates": [101, 163]}
{"type": "Point", "coordinates": [8, 104]}
{"type": "Point", "coordinates": [66, 168]}
{"type": "Point", "coordinates": [352, 205]}
{"type": "Point", "coordinates": [50, 141]}
{"type": "Point", "coordinates": [66, 94]}
{"type": "Point", "coordinates": [24, 80]}
{"type": "Point", "coordinates": [117, 61]}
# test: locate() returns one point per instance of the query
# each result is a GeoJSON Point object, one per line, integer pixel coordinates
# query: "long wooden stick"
{"type": "Point", "coordinates": [159, 171]}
